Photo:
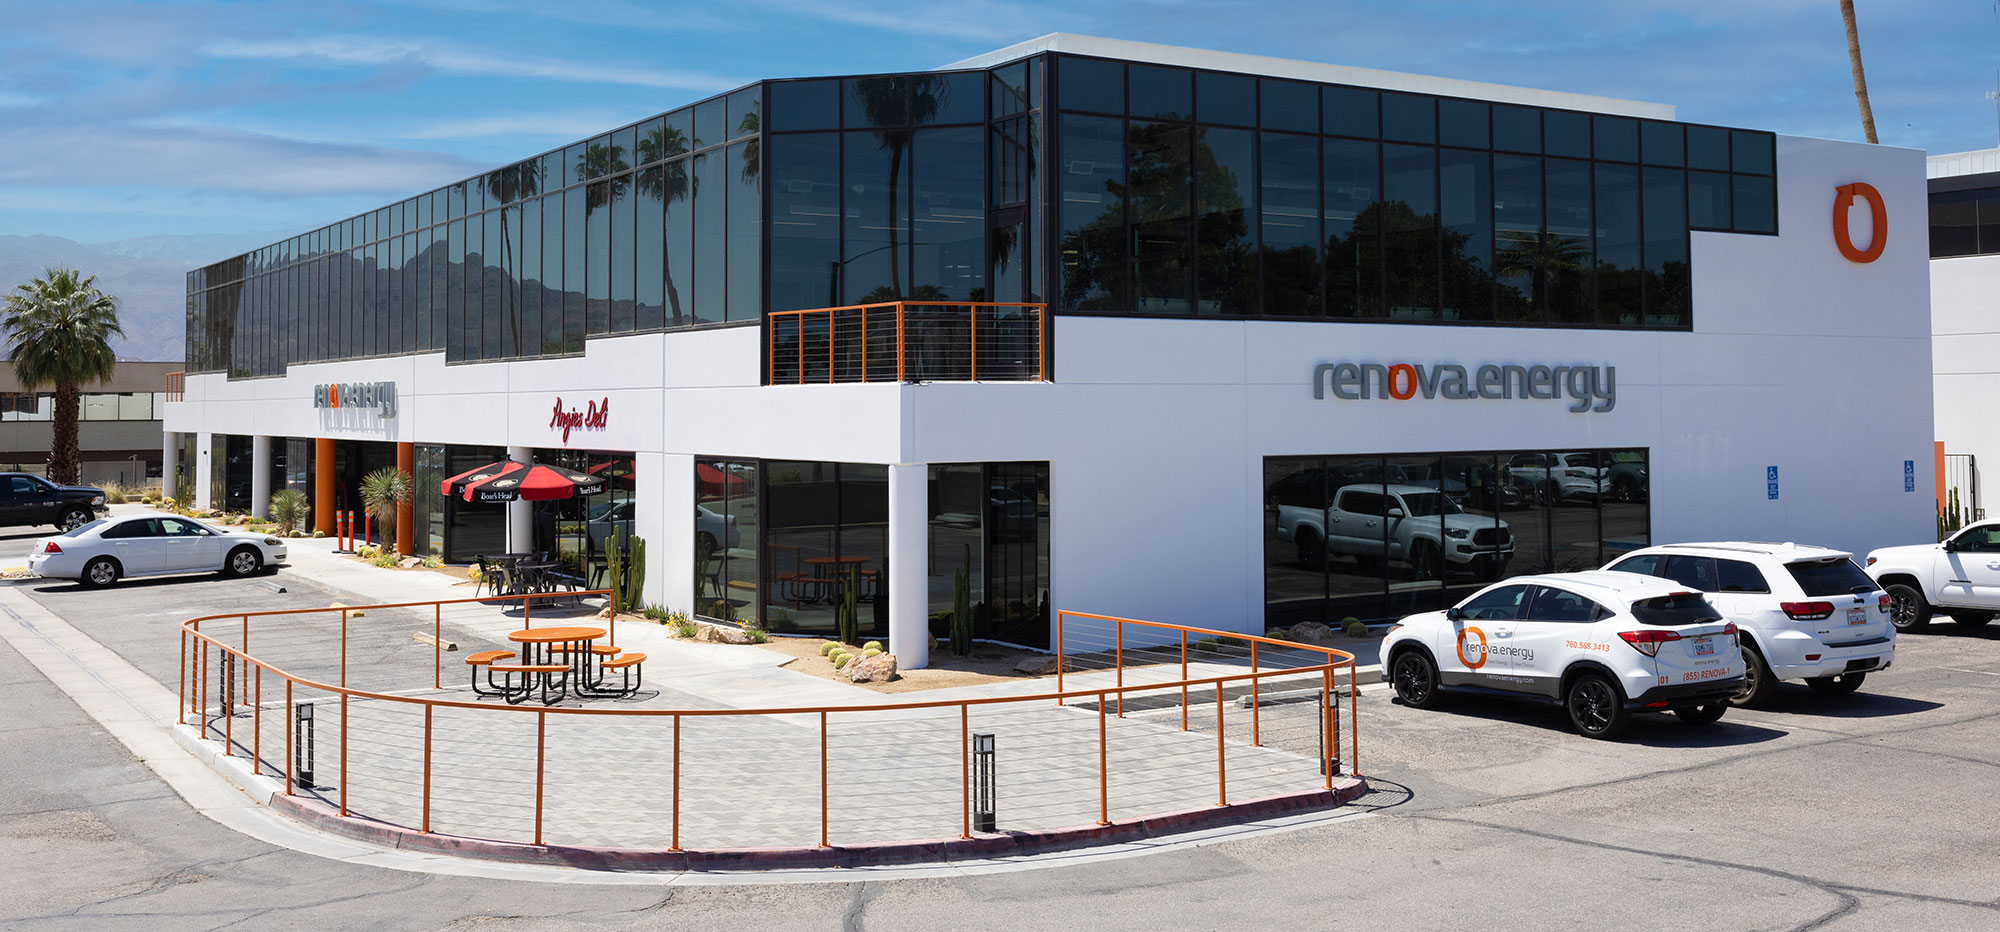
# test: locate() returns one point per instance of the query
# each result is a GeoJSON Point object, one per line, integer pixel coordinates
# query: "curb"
{"type": "Point", "coordinates": [319, 815]}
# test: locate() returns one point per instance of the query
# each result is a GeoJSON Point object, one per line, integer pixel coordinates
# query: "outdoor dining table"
{"type": "Point", "coordinates": [830, 586]}
{"type": "Point", "coordinates": [537, 646]}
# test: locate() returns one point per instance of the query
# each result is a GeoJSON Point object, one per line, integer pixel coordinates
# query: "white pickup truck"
{"type": "Point", "coordinates": [1959, 577]}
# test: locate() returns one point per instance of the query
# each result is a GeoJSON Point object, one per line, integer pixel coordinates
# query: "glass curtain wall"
{"type": "Point", "coordinates": [427, 507]}
{"type": "Point", "coordinates": [472, 529]}
{"type": "Point", "coordinates": [527, 260]}
{"type": "Point", "coordinates": [826, 528]}
{"type": "Point", "coordinates": [726, 582]}
{"type": "Point", "coordinates": [1189, 193]}
{"type": "Point", "coordinates": [1378, 537]}
{"type": "Point", "coordinates": [991, 520]}
{"type": "Point", "coordinates": [577, 531]}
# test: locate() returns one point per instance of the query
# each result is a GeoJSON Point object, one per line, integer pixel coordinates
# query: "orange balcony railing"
{"type": "Point", "coordinates": [909, 341]}
{"type": "Point", "coordinates": [176, 385]}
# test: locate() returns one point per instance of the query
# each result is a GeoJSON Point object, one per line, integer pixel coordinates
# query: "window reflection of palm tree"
{"type": "Point", "coordinates": [509, 185]}
{"type": "Point", "coordinates": [884, 104]}
{"type": "Point", "coordinates": [666, 183]}
{"type": "Point", "coordinates": [1541, 256]}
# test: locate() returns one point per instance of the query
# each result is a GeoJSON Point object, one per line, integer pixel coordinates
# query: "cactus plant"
{"type": "Point", "coordinates": [634, 587]}
{"type": "Point", "coordinates": [871, 652]}
{"type": "Point", "coordinates": [848, 613]}
{"type": "Point", "coordinates": [961, 606]}
{"type": "Point", "coordinates": [827, 648]}
{"type": "Point", "coordinates": [1950, 516]}
{"type": "Point", "coordinates": [874, 644]}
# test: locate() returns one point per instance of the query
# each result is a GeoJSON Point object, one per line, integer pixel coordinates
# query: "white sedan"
{"type": "Point", "coordinates": [105, 550]}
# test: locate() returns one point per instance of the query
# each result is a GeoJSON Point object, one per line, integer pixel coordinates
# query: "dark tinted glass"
{"type": "Point", "coordinates": [624, 149]}
{"type": "Point", "coordinates": [1566, 264]}
{"type": "Point", "coordinates": [1662, 143]}
{"type": "Point", "coordinates": [947, 206]}
{"type": "Point", "coordinates": [1409, 118]}
{"type": "Point", "coordinates": [746, 293]}
{"type": "Point", "coordinates": [1502, 604]}
{"type": "Point", "coordinates": [1288, 105]}
{"type": "Point", "coordinates": [1161, 93]}
{"type": "Point", "coordinates": [1226, 220]}
{"type": "Point", "coordinates": [1565, 133]}
{"type": "Point", "coordinates": [623, 314]}
{"type": "Point", "coordinates": [1351, 111]}
{"type": "Point", "coordinates": [597, 242]}
{"type": "Point", "coordinates": [1751, 152]}
{"type": "Point", "coordinates": [948, 98]}
{"type": "Point", "coordinates": [1409, 231]}
{"type": "Point", "coordinates": [1089, 84]}
{"type": "Point", "coordinates": [575, 264]}
{"type": "Point", "coordinates": [1162, 162]}
{"type": "Point", "coordinates": [882, 100]}
{"type": "Point", "coordinates": [1290, 214]}
{"type": "Point", "coordinates": [711, 122]}
{"type": "Point", "coordinates": [1092, 248]}
{"type": "Point", "coordinates": [1010, 89]}
{"type": "Point", "coordinates": [745, 113]}
{"type": "Point", "coordinates": [876, 222]}
{"type": "Point", "coordinates": [1708, 201]}
{"type": "Point", "coordinates": [1668, 294]}
{"type": "Point", "coordinates": [1552, 604]}
{"type": "Point", "coordinates": [1619, 268]}
{"type": "Point", "coordinates": [1834, 577]}
{"type": "Point", "coordinates": [1645, 565]}
{"type": "Point", "coordinates": [1225, 98]}
{"type": "Point", "coordinates": [1617, 138]}
{"type": "Point", "coordinates": [805, 219]}
{"type": "Point", "coordinates": [1740, 576]}
{"type": "Point", "coordinates": [1517, 229]}
{"type": "Point", "coordinates": [1672, 611]}
{"type": "Point", "coordinates": [1465, 213]}
{"type": "Point", "coordinates": [1708, 147]}
{"type": "Point", "coordinates": [1463, 123]}
{"type": "Point", "coordinates": [677, 184]}
{"type": "Point", "coordinates": [711, 200]}
{"type": "Point", "coordinates": [1353, 185]}
{"type": "Point", "coordinates": [1755, 204]}
{"type": "Point", "coordinates": [678, 132]}
{"type": "Point", "coordinates": [805, 105]}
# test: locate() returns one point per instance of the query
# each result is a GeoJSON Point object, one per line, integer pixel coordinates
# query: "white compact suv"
{"type": "Point", "coordinates": [1806, 613]}
{"type": "Point", "coordinates": [1602, 645]}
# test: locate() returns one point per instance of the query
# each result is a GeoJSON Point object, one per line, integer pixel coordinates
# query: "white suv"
{"type": "Point", "coordinates": [1807, 613]}
{"type": "Point", "coordinates": [1603, 645]}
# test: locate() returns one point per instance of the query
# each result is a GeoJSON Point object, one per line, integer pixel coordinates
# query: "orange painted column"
{"type": "Point", "coordinates": [406, 518]}
{"type": "Point", "coordinates": [323, 485]}
{"type": "Point", "coordinates": [1937, 462]}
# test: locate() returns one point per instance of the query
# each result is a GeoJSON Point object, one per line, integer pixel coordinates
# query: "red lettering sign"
{"type": "Point", "coordinates": [1878, 214]}
{"type": "Point", "coordinates": [596, 415]}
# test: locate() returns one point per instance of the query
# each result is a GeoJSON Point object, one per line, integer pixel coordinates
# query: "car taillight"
{"type": "Point", "coordinates": [1883, 602]}
{"type": "Point", "coordinates": [1648, 642]}
{"type": "Point", "coordinates": [51, 547]}
{"type": "Point", "coordinates": [1733, 631]}
{"type": "Point", "coordinates": [1807, 611]}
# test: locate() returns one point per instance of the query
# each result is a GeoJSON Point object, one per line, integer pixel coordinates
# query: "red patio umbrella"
{"type": "Point", "coordinates": [536, 482]}
{"type": "Point", "coordinates": [716, 482]}
{"type": "Point", "coordinates": [456, 484]}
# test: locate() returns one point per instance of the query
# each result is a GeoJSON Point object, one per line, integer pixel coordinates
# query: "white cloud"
{"type": "Point", "coordinates": [13, 100]}
{"type": "Point", "coordinates": [364, 51]}
{"type": "Point", "coordinates": [980, 21]}
{"type": "Point", "coordinates": [566, 125]}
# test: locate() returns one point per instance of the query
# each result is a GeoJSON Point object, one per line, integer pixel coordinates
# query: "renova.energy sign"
{"type": "Point", "coordinates": [1588, 388]}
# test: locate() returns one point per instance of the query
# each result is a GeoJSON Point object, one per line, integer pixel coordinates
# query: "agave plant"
{"type": "Point", "coordinates": [383, 490]}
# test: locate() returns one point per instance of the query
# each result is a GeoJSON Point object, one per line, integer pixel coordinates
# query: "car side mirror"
{"type": "Point", "coordinates": [1951, 546]}
{"type": "Point", "coordinates": [1395, 512]}
{"type": "Point", "coordinates": [1454, 613]}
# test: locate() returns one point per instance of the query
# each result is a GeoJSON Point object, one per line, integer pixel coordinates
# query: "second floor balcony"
{"type": "Point", "coordinates": [908, 341]}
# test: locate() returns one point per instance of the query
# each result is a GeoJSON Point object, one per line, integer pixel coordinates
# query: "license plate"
{"type": "Point", "coordinates": [1704, 647]}
{"type": "Point", "coordinates": [1857, 616]}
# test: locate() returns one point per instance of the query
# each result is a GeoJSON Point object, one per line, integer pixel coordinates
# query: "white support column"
{"type": "Point", "coordinates": [909, 566]}
{"type": "Point", "coordinates": [520, 512]}
{"type": "Point", "coordinates": [204, 497]}
{"type": "Point", "coordinates": [260, 476]}
{"type": "Point", "coordinates": [170, 451]}
{"type": "Point", "coordinates": [666, 490]}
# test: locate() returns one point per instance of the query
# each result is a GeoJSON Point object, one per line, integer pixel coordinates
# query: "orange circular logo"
{"type": "Point", "coordinates": [1877, 212]}
{"type": "Point", "coordinates": [1470, 663]}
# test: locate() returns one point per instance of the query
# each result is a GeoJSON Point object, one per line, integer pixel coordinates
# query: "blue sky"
{"type": "Point", "coordinates": [126, 119]}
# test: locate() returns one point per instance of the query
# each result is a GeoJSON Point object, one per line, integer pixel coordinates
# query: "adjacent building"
{"type": "Point", "coordinates": [118, 424]}
{"type": "Point", "coordinates": [1965, 320]}
{"type": "Point", "coordinates": [1174, 334]}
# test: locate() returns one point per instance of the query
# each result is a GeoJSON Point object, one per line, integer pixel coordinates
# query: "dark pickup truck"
{"type": "Point", "coordinates": [28, 500]}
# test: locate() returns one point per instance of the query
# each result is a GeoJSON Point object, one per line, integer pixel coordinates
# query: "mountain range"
{"type": "Point", "coordinates": [147, 274]}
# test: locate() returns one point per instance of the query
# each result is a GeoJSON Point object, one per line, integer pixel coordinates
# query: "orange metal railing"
{"type": "Point", "coordinates": [908, 341]}
{"type": "Point", "coordinates": [219, 650]}
{"type": "Point", "coordinates": [176, 385]}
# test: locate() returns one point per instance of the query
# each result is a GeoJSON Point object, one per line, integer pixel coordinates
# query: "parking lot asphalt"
{"type": "Point", "coordinates": [1868, 812]}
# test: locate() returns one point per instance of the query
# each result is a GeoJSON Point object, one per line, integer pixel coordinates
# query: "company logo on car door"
{"type": "Point", "coordinates": [1472, 663]}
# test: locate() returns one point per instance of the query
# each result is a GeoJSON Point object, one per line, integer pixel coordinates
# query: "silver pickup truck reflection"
{"type": "Point", "coordinates": [1422, 527]}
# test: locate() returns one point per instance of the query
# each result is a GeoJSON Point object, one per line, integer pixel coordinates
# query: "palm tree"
{"type": "Point", "coordinates": [61, 328]}
{"type": "Point", "coordinates": [1854, 59]}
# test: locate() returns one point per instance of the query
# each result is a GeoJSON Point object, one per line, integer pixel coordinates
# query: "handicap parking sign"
{"type": "Point", "coordinates": [1770, 473]}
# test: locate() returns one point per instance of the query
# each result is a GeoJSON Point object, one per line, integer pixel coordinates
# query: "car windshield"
{"type": "Point", "coordinates": [1834, 576]}
{"type": "Point", "coordinates": [1426, 504]}
{"type": "Point", "coordinates": [1672, 611]}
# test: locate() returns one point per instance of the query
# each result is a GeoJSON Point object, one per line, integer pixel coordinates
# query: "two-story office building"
{"type": "Point", "coordinates": [1175, 334]}
{"type": "Point", "coordinates": [1965, 319]}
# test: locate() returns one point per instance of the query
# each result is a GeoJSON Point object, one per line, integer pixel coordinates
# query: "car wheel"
{"type": "Point", "coordinates": [1595, 707]}
{"type": "Point", "coordinates": [1416, 679]}
{"type": "Point", "coordinates": [704, 543]}
{"type": "Point", "coordinates": [242, 562]}
{"type": "Point", "coordinates": [1621, 491]}
{"type": "Point", "coordinates": [1758, 683]}
{"type": "Point", "coordinates": [72, 519]}
{"type": "Point", "coordinates": [99, 573]}
{"type": "Point", "coordinates": [1907, 609]}
{"type": "Point", "coordinates": [1839, 685]}
{"type": "Point", "coordinates": [1703, 714]}
{"type": "Point", "coordinates": [1972, 619]}
{"type": "Point", "coordinates": [1311, 554]}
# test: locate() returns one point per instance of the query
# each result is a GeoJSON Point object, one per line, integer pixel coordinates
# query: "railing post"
{"type": "Point", "coordinates": [181, 697]}
{"type": "Point", "coordinates": [864, 343]}
{"type": "Point", "coordinates": [246, 653]}
{"type": "Point", "coordinates": [1119, 664]}
{"type": "Point", "coordinates": [1353, 719]}
{"type": "Point", "coordinates": [541, 754]}
{"type": "Point", "coordinates": [343, 663]}
{"type": "Point", "coordinates": [802, 350]}
{"type": "Point", "coordinates": [227, 687]}
{"type": "Point", "coordinates": [831, 330]}
{"type": "Point", "coordinates": [203, 676]}
{"type": "Point", "coordinates": [1184, 693]}
{"type": "Point", "coordinates": [1061, 661]}
{"type": "Point", "coordinates": [677, 785]}
{"type": "Point", "coordinates": [437, 645]}
{"type": "Point", "coordinates": [428, 709]}
{"type": "Point", "coordinates": [822, 779]}
{"type": "Point", "coordinates": [1256, 707]}
{"type": "Point", "coordinates": [965, 766]}
{"type": "Point", "coordinates": [1103, 768]}
{"type": "Point", "coordinates": [974, 310]}
{"type": "Point", "coordinates": [257, 723]}
{"type": "Point", "coordinates": [343, 748]}
{"type": "Point", "coordinates": [290, 720]}
{"type": "Point", "coordinates": [1326, 725]}
{"type": "Point", "coordinates": [1221, 766]}
{"type": "Point", "coordinates": [1042, 339]}
{"type": "Point", "coordinates": [900, 341]}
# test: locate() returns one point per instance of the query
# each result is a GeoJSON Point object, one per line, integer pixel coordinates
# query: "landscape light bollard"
{"type": "Point", "coordinates": [302, 744]}
{"type": "Point", "coordinates": [983, 816]}
{"type": "Point", "coordinates": [1329, 709]}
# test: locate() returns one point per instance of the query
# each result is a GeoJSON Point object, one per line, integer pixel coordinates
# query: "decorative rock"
{"type": "Point", "coordinates": [410, 562]}
{"type": "Point", "coordinates": [721, 634]}
{"type": "Point", "coordinates": [880, 668]}
{"type": "Point", "coordinates": [604, 613]}
{"type": "Point", "coordinates": [1039, 666]}
{"type": "Point", "coordinates": [1311, 632]}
